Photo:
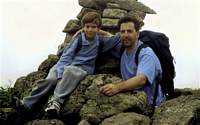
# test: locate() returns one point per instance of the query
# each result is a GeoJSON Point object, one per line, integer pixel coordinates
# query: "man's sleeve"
{"type": "Point", "coordinates": [66, 57]}
{"type": "Point", "coordinates": [148, 66]}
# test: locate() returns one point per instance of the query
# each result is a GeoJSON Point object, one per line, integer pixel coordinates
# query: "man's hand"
{"type": "Point", "coordinates": [76, 34]}
{"type": "Point", "coordinates": [109, 89]}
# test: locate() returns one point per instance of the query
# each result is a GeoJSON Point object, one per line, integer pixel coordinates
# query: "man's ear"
{"type": "Point", "coordinates": [137, 34]}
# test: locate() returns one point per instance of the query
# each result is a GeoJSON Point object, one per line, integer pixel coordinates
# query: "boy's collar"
{"type": "Point", "coordinates": [85, 41]}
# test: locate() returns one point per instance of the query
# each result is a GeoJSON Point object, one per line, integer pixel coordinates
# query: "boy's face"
{"type": "Point", "coordinates": [90, 30]}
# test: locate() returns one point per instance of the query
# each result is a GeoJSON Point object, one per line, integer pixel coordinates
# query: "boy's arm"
{"type": "Point", "coordinates": [66, 57]}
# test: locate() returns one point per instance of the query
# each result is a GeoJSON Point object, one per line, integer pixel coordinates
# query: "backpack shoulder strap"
{"type": "Point", "coordinates": [101, 45]}
{"type": "Point", "coordinates": [79, 44]}
{"type": "Point", "coordinates": [138, 52]}
{"type": "Point", "coordinates": [122, 50]}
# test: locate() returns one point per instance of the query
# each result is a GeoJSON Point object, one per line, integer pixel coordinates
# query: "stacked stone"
{"type": "Point", "coordinates": [110, 10]}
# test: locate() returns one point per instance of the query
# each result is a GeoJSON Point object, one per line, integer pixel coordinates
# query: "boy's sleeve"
{"type": "Point", "coordinates": [66, 57]}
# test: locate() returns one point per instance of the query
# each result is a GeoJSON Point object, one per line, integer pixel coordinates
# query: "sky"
{"type": "Point", "coordinates": [30, 30]}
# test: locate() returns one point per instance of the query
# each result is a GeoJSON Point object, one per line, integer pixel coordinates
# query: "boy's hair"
{"type": "Point", "coordinates": [128, 19]}
{"type": "Point", "coordinates": [91, 17]}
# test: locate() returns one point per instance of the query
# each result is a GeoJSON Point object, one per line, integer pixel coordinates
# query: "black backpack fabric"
{"type": "Point", "coordinates": [159, 42]}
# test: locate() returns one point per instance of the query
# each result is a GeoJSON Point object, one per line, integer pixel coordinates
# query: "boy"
{"type": "Point", "coordinates": [71, 68]}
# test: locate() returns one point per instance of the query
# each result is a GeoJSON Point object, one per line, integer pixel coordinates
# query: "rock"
{"type": "Point", "coordinates": [114, 13]}
{"type": "Point", "coordinates": [68, 37]}
{"type": "Point", "coordinates": [46, 65]}
{"type": "Point", "coordinates": [112, 6]}
{"type": "Point", "coordinates": [67, 40]}
{"type": "Point", "coordinates": [129, 118]}
{"type": "Point", "coordinates": [99, 106]}
{"type": "Point", "coordinates": [23, 85]}
{"type": "Point", "coordinates": [83, 122]}
{"type": "Point", "coordinates": [109, 23]}
{"type": "Point", "coordinates": [72, 26]}
{"type": "Point", "coordinates": [86, 10]}
{"type": "Point", "coordinates": [184, 110]}
{"type": "Point", "coordinates": [8, 116]}
{"type": "Point", "coordinates": [45, 122]}
{"type": "Point", "coordinates": [78, 98]}
{"type": "Point", "coordinates": [124, 4]}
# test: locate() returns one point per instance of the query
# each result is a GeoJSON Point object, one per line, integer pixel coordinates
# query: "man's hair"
{"type": "Point", "coordinates": [91, 17]}
{"type": "Point", "coordinates": [128, 19]}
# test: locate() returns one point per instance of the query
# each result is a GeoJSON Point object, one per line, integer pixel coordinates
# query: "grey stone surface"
{"type": "Point", "coordinates": [72, 26]}
{"type": "Point", "coordinates": [98, 106]}
{"type": "Point", "coordinates": [83, 122]}
{"type": "Point", "coordinates": [24, 85]}
{"type": "Point", "coordinates": [46, 65]}
{"type": "Point", "coordinates": [124, 4]}
{"type": "Point", "coordinates": [184, 110]}
{"type": "Point", "coordinates": [86, 10]}
{"type": "Point", "coordinates": [45, 122]}
{"type": "Point", "coordinates": [112, 6]}
{"type": "Point", "coordinates": [109, 23]}
{"type": "Point", "coordinates": [129, 118]}
{"type": "Point", "coordinates": [114, 13]}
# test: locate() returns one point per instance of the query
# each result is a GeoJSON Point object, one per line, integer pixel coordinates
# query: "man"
{"type": "Point", "coordinates": [141, 77]}
{"type": "Point", "coordinates": [72, 67]}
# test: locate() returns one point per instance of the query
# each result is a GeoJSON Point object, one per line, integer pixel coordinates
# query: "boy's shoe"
{"type": "Point", "coordinates": [53, 108]}
{"type": "Point", "coordinates": [19, 106]}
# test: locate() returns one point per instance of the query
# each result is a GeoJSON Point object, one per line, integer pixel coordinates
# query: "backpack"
{"type": "Point", "coordinates": [159, 42]}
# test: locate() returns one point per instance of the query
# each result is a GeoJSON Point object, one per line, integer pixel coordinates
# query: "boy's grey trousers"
{"type": "Point", "coordinates": [72, 75]}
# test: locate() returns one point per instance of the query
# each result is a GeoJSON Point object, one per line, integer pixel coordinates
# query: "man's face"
{"type": "Point", "coordinates": [128, 34]}
{"type": "Point", "coordinates": [90, 30]}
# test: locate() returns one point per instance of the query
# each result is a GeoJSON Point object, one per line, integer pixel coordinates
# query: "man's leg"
{"type": "Point", "coordinates": [71, 77]}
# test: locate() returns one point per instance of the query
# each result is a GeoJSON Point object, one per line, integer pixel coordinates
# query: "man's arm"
{"type": "Point", "coordinates": [104, 33]}
{"type": "Point", "coordinates": [100, 32]}
{"type": "Point", "coordinates": [130, 84]}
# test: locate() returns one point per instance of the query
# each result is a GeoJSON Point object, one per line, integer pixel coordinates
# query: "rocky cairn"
{"type": "Point", "coordinates": [86, 105]}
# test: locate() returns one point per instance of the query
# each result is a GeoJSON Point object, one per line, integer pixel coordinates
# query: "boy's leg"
{"type": "Point", "coordinates": [52, 73]}
{"type": "Point", "coordinates": [71, 77]}
{"type": "Point", "coordinates": [42, 88]}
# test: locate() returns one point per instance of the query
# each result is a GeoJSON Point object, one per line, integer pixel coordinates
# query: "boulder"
{"type": "Point", "coordinates": [128, 118]}
{"type": "Point", "coordinates": [123, 4]}
{"type": "Point", "coordinates": [98, 106]}
{"type": "Point", "coordinates": [72, 26]}
{"type": "Point", "coordinates": [109, 23]}
{"type": "Point", "coordinates": [45, 122]}
{"type": "Point", "coordinates": [46, 65]}
{"type": "Point", "coordinates": [184, 110]}
{"type": "Point", "coordinates": [86, 10]}
{"type": "Point", "coordinates": [24, 85]}
{"type": "Point", "coordinates": [114, 13]}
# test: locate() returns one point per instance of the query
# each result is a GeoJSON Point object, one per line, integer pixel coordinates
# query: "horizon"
{"type": "Point", "coordinates": [31, 30]}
